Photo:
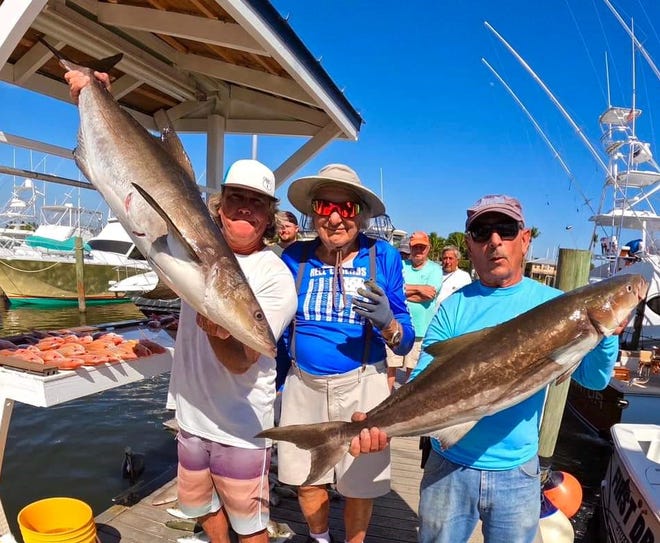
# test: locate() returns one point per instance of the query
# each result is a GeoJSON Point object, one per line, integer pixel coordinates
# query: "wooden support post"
{"type": "Point", "coordinates": [80, 275]}
{"type": "Point", "coordinates": [572, 272]}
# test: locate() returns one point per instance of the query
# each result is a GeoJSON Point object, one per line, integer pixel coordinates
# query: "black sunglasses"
{"type": "Point", "coordinates": [506, 230]}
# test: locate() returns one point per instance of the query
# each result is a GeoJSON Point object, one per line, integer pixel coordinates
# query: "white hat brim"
{"type": "Point", "coordinates": [301, 189]}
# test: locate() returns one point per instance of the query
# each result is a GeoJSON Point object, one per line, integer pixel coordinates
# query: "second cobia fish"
{"type": "Point", "coordinates": [148, 182]}
{"type": "Point", "coordinates": [480, 373]}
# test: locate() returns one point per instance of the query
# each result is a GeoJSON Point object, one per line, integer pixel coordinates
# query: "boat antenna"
{"type": "Point", "coordinates": [556, 102]}
{"type": "Point", "coordinates": [636, 42]}
{"type": "Point", "coordinates": [634, 80]}
{"type": "Point", "coordinates": [607, 79]}
{"type": "Point", "coordinates": [555, 153]}
{"type": "Point", "coordinates": [541, 133]}
{"type": "Point", "coordinates": [382, 195]}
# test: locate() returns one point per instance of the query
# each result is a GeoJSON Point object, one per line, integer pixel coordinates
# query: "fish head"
{"type": "Point", "coordinates": [232, 301]}
{"type": "Point", "coordinates": [612, 300]}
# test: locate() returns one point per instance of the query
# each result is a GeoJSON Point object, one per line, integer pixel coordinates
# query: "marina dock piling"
{"type": "Point", "coordinates": [80, 274]}
{"type": "Point", "coordinates": [572, 272]}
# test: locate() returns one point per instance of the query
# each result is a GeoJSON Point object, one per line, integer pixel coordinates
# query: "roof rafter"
{"type": "Point", "coordinates": [179, 25]}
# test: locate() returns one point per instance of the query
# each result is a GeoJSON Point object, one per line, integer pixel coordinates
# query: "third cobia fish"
{"type": "Point", "coordinates": [480, 373]}
{"type": "Point", "coordinates": [149, 184]}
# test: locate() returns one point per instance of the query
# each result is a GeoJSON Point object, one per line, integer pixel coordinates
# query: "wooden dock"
{"type": "Point", "coordinates": [394, 518]}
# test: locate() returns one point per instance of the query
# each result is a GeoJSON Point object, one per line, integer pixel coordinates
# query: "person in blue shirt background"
{"type": "Point", "coordinates": [337, 341]}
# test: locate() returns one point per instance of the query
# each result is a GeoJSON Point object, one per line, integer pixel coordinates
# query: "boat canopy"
{"type": "Point", "coordinates": [67, 245]}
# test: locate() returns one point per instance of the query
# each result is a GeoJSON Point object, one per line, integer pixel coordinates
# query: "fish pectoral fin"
{"type": "Point", "coordinates": [450, 436]}
{"type": "Point", "coordinates": [564, 376]}
{"type": "Point", "coordinates": [447, 349]}
{"type": "Point", "coordinates": [171, 227]}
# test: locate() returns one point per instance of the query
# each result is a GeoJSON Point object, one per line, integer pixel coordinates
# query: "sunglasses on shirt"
{"type": "Point", "coordinates": [346, 210]}
{"type": "Point", "coordinates": [506, 230]}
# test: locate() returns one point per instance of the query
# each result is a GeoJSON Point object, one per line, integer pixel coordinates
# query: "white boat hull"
{"type": "Point", "coordinates": [619, 402]}
{"type": "Point", "coordinates": [630, 496]}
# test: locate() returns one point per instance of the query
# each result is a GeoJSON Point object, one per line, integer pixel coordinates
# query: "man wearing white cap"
{"type": "Point", "coordinates": [223, 391]}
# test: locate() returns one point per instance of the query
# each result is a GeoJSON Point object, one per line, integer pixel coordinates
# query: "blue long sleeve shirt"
{"type": "Point", "coordinates": [330, 336]}
{"type": "Point", "coordinates": [510, 437]}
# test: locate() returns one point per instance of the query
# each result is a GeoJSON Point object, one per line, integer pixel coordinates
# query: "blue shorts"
{"type": "Point", "coordinates": [454, 497]}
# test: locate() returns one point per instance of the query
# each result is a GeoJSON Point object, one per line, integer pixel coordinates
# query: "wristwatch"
{"type": "Point", "coordinates": [395, 339]}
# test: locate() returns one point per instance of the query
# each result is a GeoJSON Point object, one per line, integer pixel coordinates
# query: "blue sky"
{"type": "Point", "coordinates": [438, 125]}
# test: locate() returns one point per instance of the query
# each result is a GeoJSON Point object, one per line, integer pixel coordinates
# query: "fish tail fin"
{"type": "Point", "coordinates": [327, 443]}
{"type": "Point", "coordinates": [101, 65]}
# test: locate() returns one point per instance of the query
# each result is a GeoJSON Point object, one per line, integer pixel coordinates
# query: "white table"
{"type": "Point", "coordinates": [46, 391]}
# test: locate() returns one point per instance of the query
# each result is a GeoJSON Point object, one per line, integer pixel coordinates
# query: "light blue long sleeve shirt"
{"type": "Point", "coordinates": [510, 437]}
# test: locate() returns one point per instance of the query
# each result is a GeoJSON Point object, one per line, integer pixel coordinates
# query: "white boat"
{"type": "Point", "coordinates": [18, 217]}
{"type": "Point", "coordinates": [630, 492]}
{"type": "Point", "coordinates": [42, 269]}
{"type": "Point", "coordinates": [630, 225]}
{"type": "Point", "coordinates": [632, 395]}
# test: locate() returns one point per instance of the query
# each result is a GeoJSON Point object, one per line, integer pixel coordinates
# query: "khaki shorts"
{"type": "Point", "coordinates": [310, 398]}
{"type": "Point", "coordinates": [406, 361]}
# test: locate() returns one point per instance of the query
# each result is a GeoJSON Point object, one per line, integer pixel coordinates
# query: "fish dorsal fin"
{"type": "Point", "coordinates": [450, 436]}
{"type": "Point", "coordinates": [173, 146]}
{"type": "Point", "coordinates": [100, 65]}
{"type": "Point", "coordinates": [447, 349]}
{"type": "Point", "coordinates": [105, 64]}
{"type": "Point", "coordinates": [170, 225]}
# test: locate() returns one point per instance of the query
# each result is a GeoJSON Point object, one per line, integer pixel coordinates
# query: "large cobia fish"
{"type": "Point", "coordinates": [480, 373]}
{"type": "Point", "coordinates": [148, 182]}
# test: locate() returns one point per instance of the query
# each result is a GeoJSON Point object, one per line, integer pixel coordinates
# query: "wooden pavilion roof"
{"type": "Point", "coordinates": [192, 59]}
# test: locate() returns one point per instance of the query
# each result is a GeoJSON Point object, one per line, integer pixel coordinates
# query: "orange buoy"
{"type": "Point", "coordinates": [564, 492]}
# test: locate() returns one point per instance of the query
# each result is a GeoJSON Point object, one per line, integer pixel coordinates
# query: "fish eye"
{"type": "Point", "coordinates": [259, 316]}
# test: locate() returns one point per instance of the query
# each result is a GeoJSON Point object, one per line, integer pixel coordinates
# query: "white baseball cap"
{"type": "Point", "coordinates": [251, 174]}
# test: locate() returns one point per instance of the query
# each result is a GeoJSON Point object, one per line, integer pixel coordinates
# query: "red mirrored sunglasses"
{"type": "Point", "coordinates": [346, 210]}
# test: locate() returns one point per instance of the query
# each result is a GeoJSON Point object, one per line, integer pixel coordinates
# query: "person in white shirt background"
{"type": "Point", "coordinates": [453, 277]}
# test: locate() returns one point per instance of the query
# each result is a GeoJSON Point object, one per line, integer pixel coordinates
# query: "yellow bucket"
{"type": "Point", "coordinates": [57, 520]}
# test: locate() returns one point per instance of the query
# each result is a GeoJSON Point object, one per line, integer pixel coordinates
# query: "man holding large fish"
{"type": "Point", "coordinates": [223, 386]}
{"type": "Point", "coordinates": [492, 472]}
{"type": "Point", "coordinates": [479, 387]}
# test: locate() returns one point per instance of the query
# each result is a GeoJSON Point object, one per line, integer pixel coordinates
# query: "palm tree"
{"type": "Point", "coordinates": [437, 243]}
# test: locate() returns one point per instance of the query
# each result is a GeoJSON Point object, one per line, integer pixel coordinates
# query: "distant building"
{"type": "Point", "coordinates": [542, 270]}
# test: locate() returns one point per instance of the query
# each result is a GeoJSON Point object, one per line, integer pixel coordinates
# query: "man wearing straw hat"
{"type": "Point", "coordinates": [351, 304]}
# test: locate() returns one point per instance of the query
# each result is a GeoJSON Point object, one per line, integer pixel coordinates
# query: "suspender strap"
{"type": "Point", "coordinates": [369, 332]}
{"type": "Point", "coordinates": [369, 327]}
{"type": "Point", "coordinates": [299, 277]}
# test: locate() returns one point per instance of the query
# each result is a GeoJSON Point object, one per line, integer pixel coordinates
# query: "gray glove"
{"type": "Point", "coordinates": [376, 307]}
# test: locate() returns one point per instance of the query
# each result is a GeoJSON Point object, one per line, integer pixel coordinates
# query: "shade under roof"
{"type": "Point", "coordinates": [227, 66]}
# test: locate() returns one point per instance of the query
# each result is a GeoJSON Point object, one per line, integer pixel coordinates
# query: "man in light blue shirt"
{"type": "Point", "coordinates": [423, 279]}
{"type": "Point", "coordinates": [492, 473]}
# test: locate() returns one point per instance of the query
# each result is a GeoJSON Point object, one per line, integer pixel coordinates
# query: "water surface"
{"type": "Point", "coordinates": [77, 448]}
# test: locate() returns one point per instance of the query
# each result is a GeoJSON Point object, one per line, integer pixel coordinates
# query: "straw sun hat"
{"type": "Point", "coordinates": [302, 190]}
